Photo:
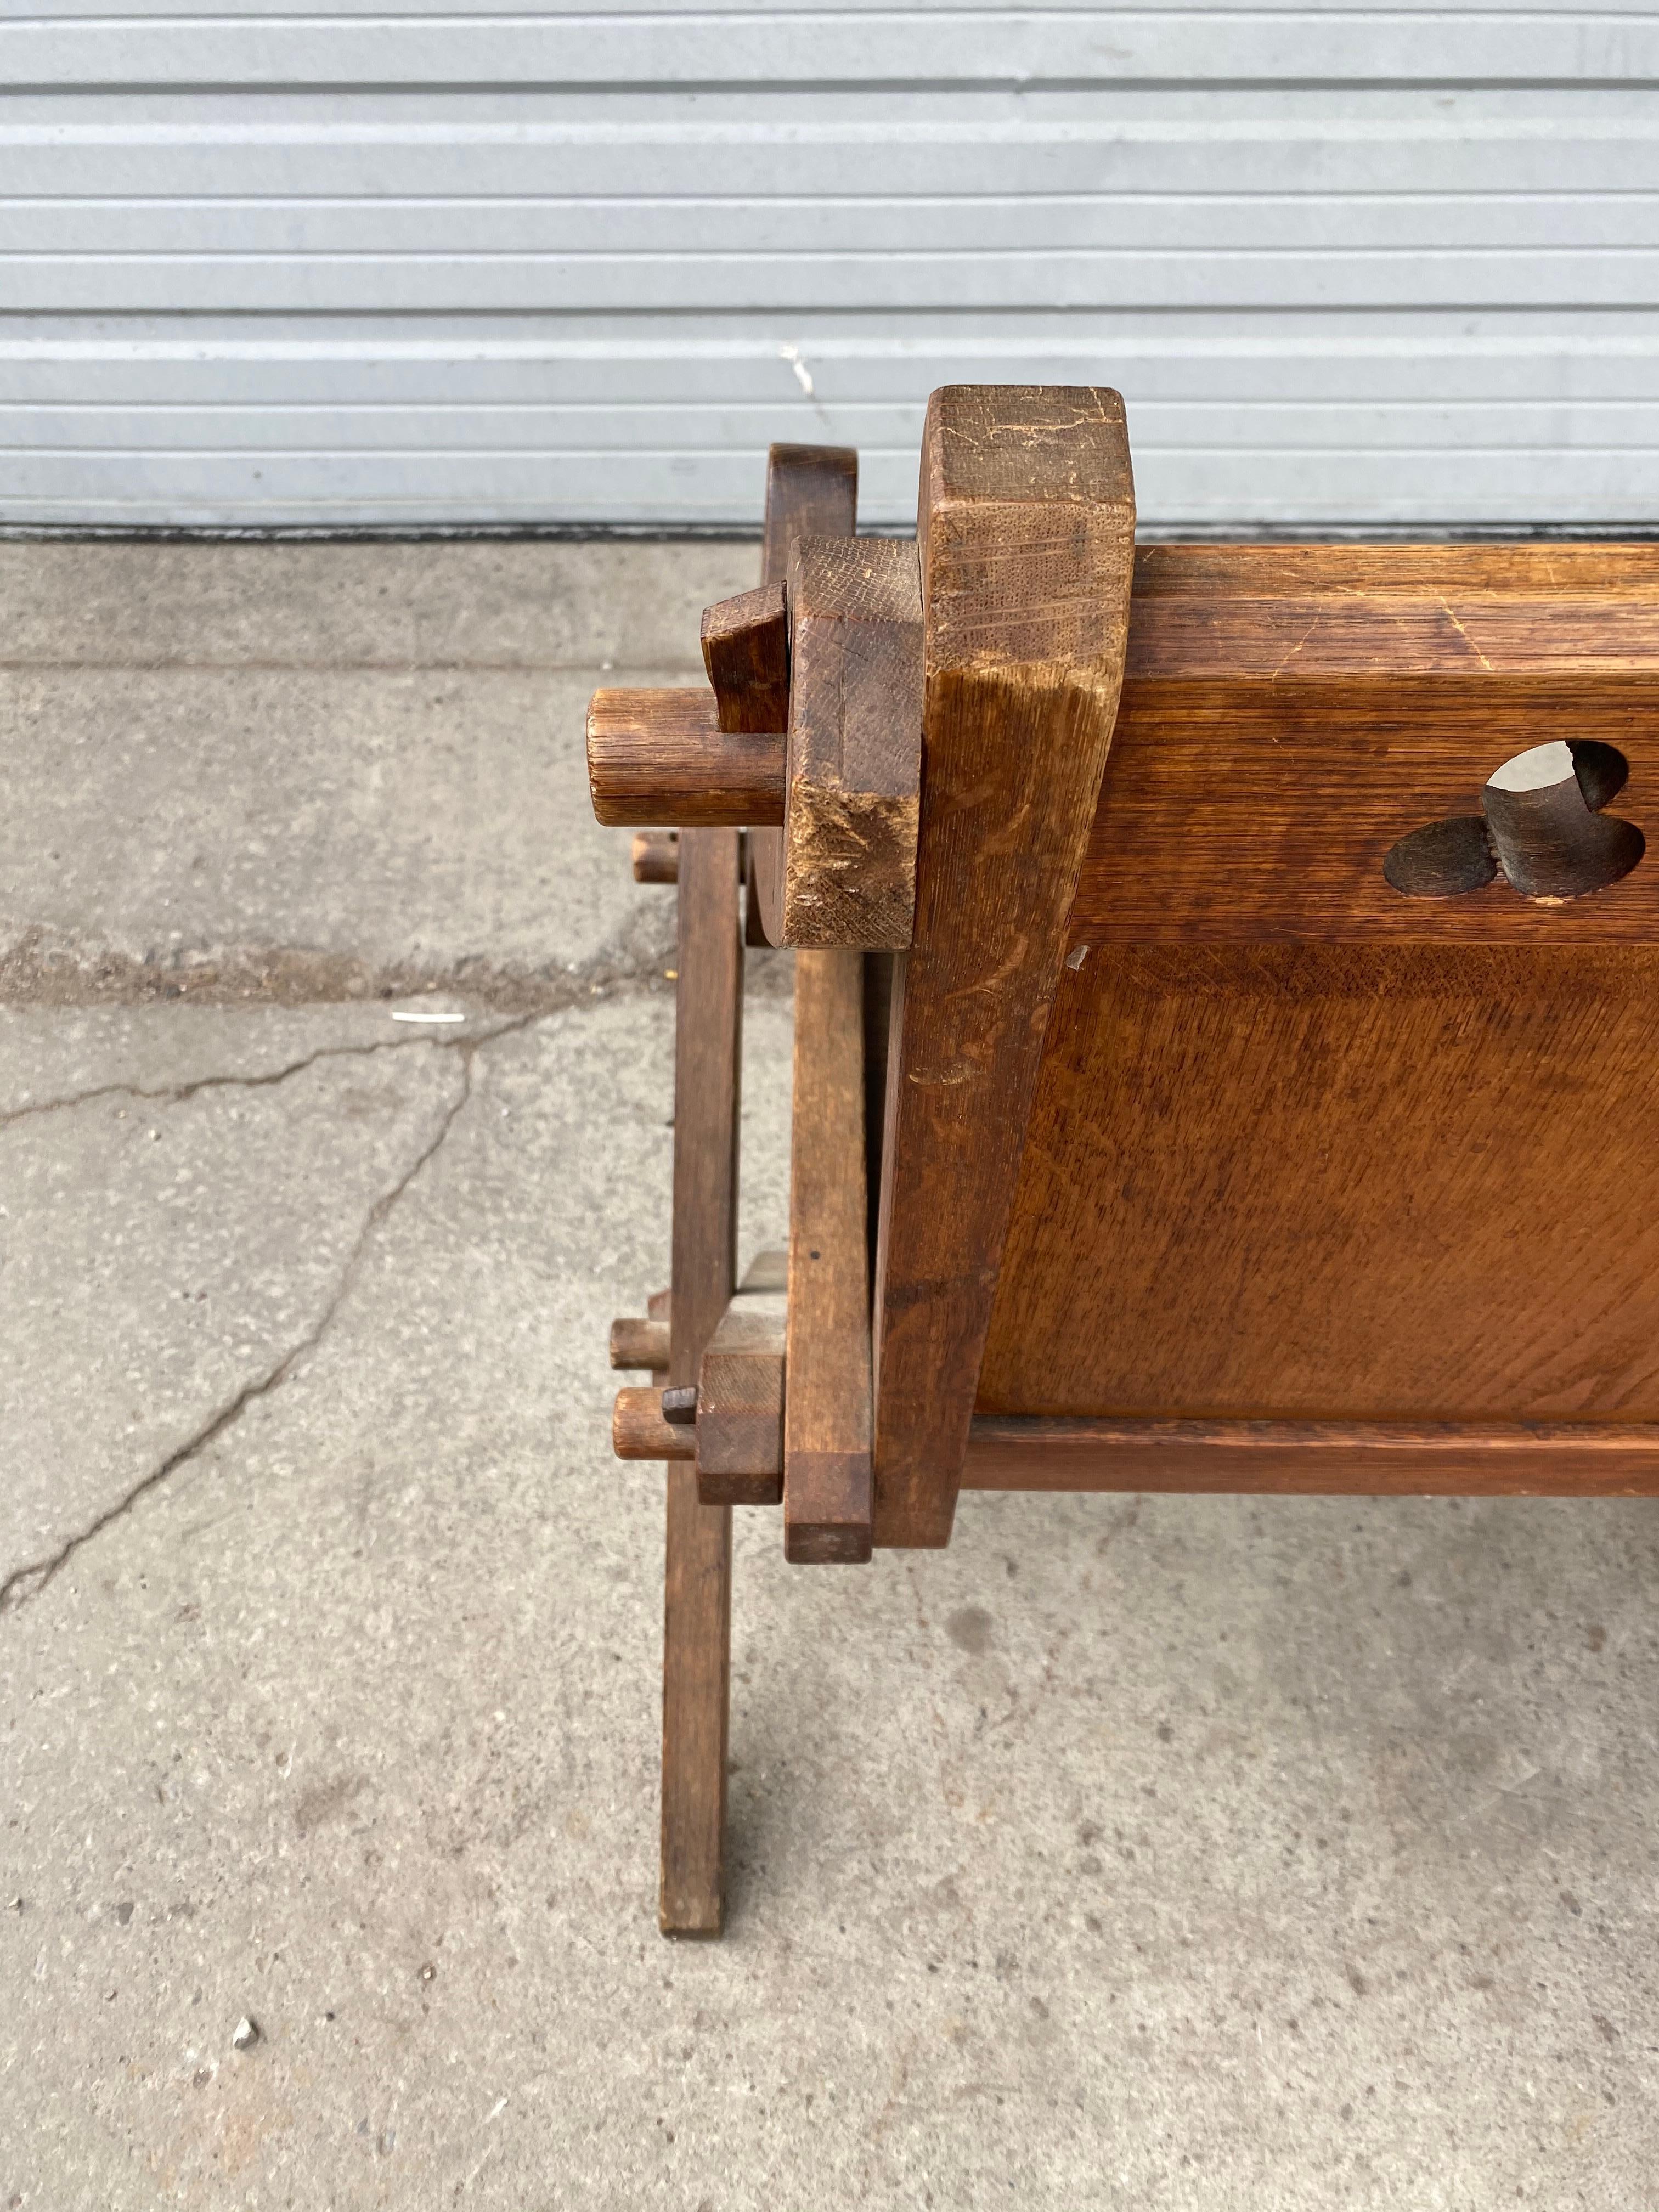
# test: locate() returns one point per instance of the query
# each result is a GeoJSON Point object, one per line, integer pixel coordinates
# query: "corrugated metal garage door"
{"type": "Point", "coordinates": [1350, 265]}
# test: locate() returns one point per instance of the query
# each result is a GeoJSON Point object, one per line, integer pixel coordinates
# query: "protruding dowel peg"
{"type": "Point", "coordinates": [1549, 843]}
{"type": "Point", "coordinates": [638, 1430]}
{"type": "Point", "coordinates": [655, 757]}
{"type": "Point", "coordinates": [640, 1344]}
{"type": "Point", "coordinates": [657, 856]}
{"type": "Point", "coordinates": [745, 649]}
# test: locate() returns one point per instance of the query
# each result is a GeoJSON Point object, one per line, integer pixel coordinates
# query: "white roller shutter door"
{"type": "Point", "coordinates": [1352, 267]}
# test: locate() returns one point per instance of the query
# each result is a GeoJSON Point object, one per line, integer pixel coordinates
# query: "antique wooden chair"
{"type": "Point", "coordinates": [1225, 1018]}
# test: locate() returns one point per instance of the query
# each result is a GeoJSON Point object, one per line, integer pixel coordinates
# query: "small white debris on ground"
{"type": "Point", "coordinates": [245, 2034]}
{"type": "Point", "coordinates": [401, 1017]}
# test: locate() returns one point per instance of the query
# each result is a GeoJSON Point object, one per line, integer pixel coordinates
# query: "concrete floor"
{"type": "Point", "coordinates": [1186, 1853]}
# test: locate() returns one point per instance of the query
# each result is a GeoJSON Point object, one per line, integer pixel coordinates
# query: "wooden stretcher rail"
{"type": "Point", "coordinates": [1317, 1458]}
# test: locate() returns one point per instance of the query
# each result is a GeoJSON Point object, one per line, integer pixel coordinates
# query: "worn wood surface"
{"type": "Point", "coordinates": [740, 1392]}
{"type": "Point", "coordinates": [697, 1591]}
{"type": "Point", "coordinates": [745, 649]}
{"type": "Point", "coordinates": [827, 1409]}
{"type": "Point", "coordinates": [659, 756]}
{"type": "Point", "coordinates": [854, 773]}
{"type": "Point", "coordinates": [1290, 712]}
{"type": "Point", "coordinates": [1026, 523]}
{"type": "Point", "coordinates": [810, 491]}
{"type": "Point", "coordinates": [1363, 1183]}
{"type": "Point", "coordinates": [1317, 1458]}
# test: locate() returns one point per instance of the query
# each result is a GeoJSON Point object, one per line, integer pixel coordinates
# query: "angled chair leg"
{"type": "Point", "coordinates": [696, 1678]}
{"type": "Point", "coordinates": [697, 1603]}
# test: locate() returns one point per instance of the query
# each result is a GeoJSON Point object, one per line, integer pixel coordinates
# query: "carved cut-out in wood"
{"type": "Point", "coordinates": [1540, 829]}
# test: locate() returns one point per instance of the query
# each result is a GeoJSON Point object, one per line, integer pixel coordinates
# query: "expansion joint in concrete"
{"type": "Point", "coordinates": [582, 990]}
{"type": "Point", "coordinates": [41, 969]}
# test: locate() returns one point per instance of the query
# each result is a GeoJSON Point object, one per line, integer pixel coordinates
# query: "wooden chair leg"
{"type": "Point", "coordinates": [697, 1608]}
{"type": "Point", "coordinates": [696, 1680]}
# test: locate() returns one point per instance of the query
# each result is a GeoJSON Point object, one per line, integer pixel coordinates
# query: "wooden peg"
{"type": "Point", "coordinates": [639, 1344]}
{"type": "Point", "coordinates": [851, 808]}
{"type": "Point", "coordinates": [745, 649]}
{"type": "Point", "coordinates": [655, 757]}
{"type": "Point", "coordinates": [657, 856]}
{"type": "Point", "coordinates": [638, 1430]}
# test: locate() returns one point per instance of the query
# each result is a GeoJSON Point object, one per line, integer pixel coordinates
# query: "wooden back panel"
{"type": "Point", "coordinates": [1301, 1147]}
{"type": "Point", "coordinates": [1289, 712]}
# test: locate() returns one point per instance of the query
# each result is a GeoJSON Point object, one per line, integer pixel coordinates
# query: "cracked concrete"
{"type": "Point", "coordinates": [25, 1582]}
{"type": "Point", "coordinates": [1197, 1853]}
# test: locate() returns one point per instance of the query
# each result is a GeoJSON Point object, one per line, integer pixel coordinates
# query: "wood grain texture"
{"type": "Point", "coordinates": [638, 1430]}
{"type": "Point", "coordinates": [1026, 530]}
{"type": "Point", "coordinates": [659, 757]}
{"type": "Point", "coordinates": [697, 1587]}
{"type": "Point", "coordinates": [810, 491]}
{"type": "Point", "coordinates": [739, 1428]}
{"type": "Point", "coordinates": [1290, 712]}
{"type": "Point", "coordinates": [827, 1411]}
{"type": "Point", "coordinates": [1355, 1182]}
{"type": "Point", "coordinates": [853, 774]}
{"type": "Point", "coordinates": [745, 649]}
{"type": "Point", "coordinates": [1315, 1458]}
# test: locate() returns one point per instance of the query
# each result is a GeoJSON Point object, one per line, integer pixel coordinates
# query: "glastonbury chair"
{"type": "Point", "coordinates": [1225, 1045]}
